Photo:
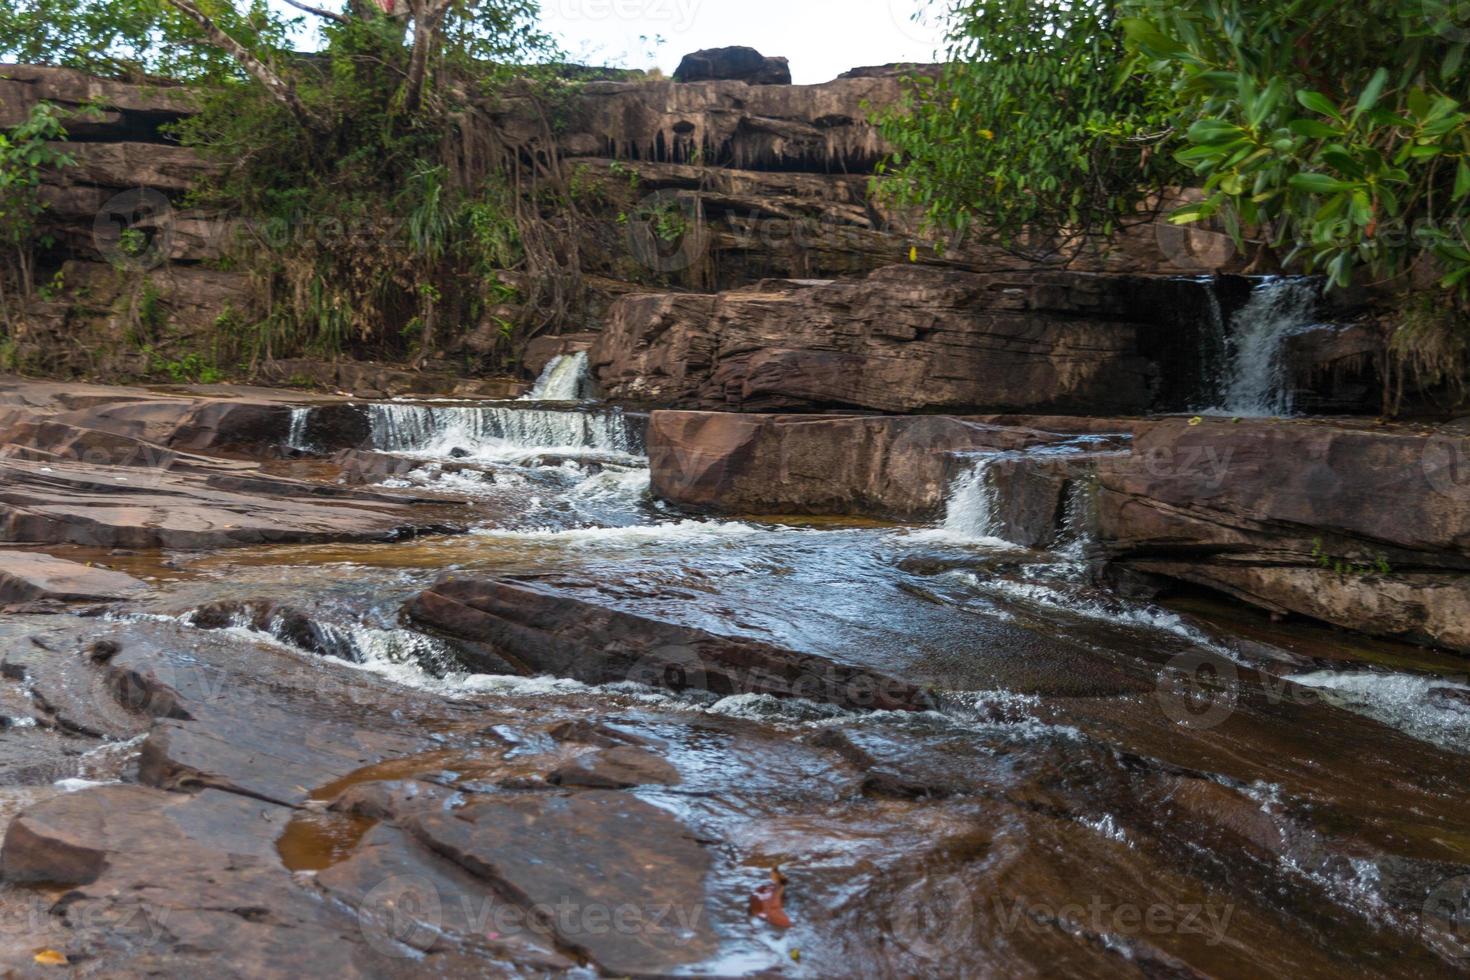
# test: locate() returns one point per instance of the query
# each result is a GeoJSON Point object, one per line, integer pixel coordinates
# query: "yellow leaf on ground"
{"type": "Point", "coordinates": [50, 957]}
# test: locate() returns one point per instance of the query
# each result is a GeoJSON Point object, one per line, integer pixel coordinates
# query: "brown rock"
{"type": "Point", "coordinates": [792, 464]}
{"type": "Point", "coordinates": [905, 339]}
{"type": "Point", "coordinates": [622, 882]}
{"type": "Point", "coordinates": [1361, 526]}
{"type": "Point", "coordinates": [619, 767]}
{"type": "Point", "coordinates": [546, 631]}
{"type": "Point", "coordinates": [27, 576]}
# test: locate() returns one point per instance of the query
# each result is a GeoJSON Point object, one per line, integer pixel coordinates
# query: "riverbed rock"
{"type": "Point", "coordinates": [1364, 526]}
{"type": "Point", "coordinates": [28, 575]}
{"type": "Point", "coordinates": [906, 339]}
{"type": "Point", "coordinates": [550, 631]}
{"type": "Point", "coordinates": [894, 467]}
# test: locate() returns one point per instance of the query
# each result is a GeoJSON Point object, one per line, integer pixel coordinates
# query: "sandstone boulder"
{"type": "Point", "coordinates": [906, 339]}
{"type": "Point", "coordinates": [893, 467]}
{"type": "Point", "coordinates": [1363, 526]}
{"type": "Point", "coordinates": [739, 64]}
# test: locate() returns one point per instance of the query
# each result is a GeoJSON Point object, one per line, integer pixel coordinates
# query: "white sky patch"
{"type": "Point", "coordinates": [822, 38]}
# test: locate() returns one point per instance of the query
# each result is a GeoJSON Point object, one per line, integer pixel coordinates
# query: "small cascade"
{"type": "Point", "coordinates": [1078, 535]}
{"type": "Point", "coordinates": [495, 430]}
{"type": "Point", "coordinates": [1257, 384]}
{"type": "Point", "coordinates": [564, 379]}
{"type": "Point", "coordinates": [296, 434]}
{"type": "Point", "coordinates": [970, 510]}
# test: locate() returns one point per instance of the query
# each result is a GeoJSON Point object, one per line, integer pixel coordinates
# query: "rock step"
{"type": "Point", "coordinates": [546, 631]}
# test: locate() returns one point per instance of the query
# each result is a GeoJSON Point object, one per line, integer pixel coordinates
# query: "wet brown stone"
{"type": "Point", "coordinates": [547, 631]}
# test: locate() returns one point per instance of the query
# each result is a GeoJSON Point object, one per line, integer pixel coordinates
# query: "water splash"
{"type": "Point", "coordinates": [564, 379]}
{"type": "Point", "coordinates": [970, 512]}
{"type": "Point", "coordinates": [1257, 384]}
{"type": "Point", "coordinates": [497, 431]}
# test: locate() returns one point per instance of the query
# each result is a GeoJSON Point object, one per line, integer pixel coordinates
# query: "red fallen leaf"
{"type": "Point", "coordinates": [766, 902]}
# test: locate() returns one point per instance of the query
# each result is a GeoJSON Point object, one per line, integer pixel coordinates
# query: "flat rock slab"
{"type": "Point", "coordinates": [26, 576]}
{"type": "Point", "coordinates": [619, 880]}
{"type": "Point", "coordinates": [54, 502]}
{"type": "Point", "coordinates": [548, 631]}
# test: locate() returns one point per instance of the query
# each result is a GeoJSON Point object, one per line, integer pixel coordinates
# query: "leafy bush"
{"type": "Point", "coordinates": [25, 156]}
{"type": "Point", "coordinates": [1036, 136]}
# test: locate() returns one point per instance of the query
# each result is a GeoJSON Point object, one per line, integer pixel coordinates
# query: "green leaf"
{"type": "Point", "coordinates": [1313, 129]}
{"type": "Point", "coordinates": [1318, 102]}
{"type": "Point", "coordinates": [1214, 132]}
{"type": "Point", "coordinates": [1319, 184]}
{"type": "Point", "coordinates": [1462, 180]}
{"type": "Point", "coordinates": [1370, 96]}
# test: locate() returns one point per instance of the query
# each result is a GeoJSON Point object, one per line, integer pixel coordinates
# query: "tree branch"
{"type": "Point", "coordinates": [318, 11]}
{"type": "Point", "coordinates": [282, 90]}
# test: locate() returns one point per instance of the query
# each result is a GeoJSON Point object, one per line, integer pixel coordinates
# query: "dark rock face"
{"type": "Point", "coordinates": [738, 64]}
{"type": "Point", "coordinates": [1363, 527]}
{"type": "Point", "coordinates": [542, 630]}
{"type": "Point", "coordinates": [896, 468]}
{"type": "Point", "coordinates": [905, 339]}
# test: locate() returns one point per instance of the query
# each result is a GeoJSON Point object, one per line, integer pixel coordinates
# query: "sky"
{"type": "Point", "coordinates": [822, 38]}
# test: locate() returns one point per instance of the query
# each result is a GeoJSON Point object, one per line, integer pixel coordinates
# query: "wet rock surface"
{"type": "Point", "coordinates": [597, 734]}
{"type": "Point", "coordinates": [1366, 527]}
{"type": "Point", "coordinates": [26, 576]}
{"type": "Point", "coordinates": [791, 464]}
{"type": "Point", "coordinates": [545, 630]}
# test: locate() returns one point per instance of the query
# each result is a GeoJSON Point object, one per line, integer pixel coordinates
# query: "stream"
{"type": "Point", "coordinates": [1101, 785]}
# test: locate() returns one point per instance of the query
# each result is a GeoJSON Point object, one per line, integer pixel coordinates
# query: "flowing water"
{"type": "Point", "coordinates": [1085, 798]}
{"type": "Point", "coordinates": [564, 379]}
{"type": "Point", "coordinates": [1256, 384]}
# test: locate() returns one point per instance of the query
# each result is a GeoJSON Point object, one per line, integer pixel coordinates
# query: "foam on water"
{"type": "Point", "coordinates": [497, 432]}
{"type": "Point", "coordinates": [1407, 702]}
{"type": "Point", "coordinates": [673, 532]}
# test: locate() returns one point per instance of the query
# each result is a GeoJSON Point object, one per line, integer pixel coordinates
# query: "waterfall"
{"type": "Point", "coordinates": [1077, 538]}
{"type": "Point", "coordinates": [564, 379]}
{"type": "Point", "coordinates": [490, 430]}
{"type": "Point", "coordinates": [1257, 383]}
{"type": "Point", "coordinates": [970, 511]}
{"type": "Point", "coordinates": [296, 435]}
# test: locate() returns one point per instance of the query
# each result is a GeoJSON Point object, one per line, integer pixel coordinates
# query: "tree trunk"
{"type": "Point", "coordinates": [428, 19]}
{"type": "Point", "coordinates": [279, 88]}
